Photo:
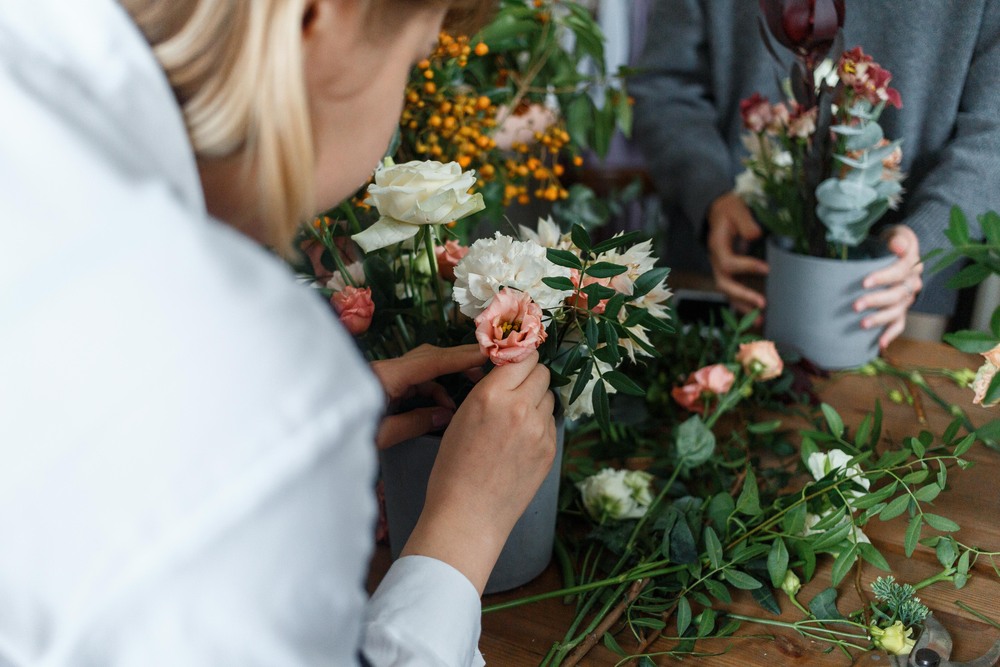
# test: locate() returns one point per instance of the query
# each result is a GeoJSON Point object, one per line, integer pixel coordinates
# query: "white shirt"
{"type": "Point", "coordinates": [186, 457]}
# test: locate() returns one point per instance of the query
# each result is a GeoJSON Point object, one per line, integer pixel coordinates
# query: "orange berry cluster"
{"type": "Point", "coordinates": [445, 119]}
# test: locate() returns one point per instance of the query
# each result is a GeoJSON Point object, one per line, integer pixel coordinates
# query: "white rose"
{"type": "Point", "coordinates": [813, 519]}
{"type": "Point", "coordinates": [417, 193]}
{"type": "Point", "coordinates": [616, 494]}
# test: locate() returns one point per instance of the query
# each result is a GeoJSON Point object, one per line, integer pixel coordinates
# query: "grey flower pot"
{"type": "Point", "coordinates": [406, 468]}
{"type": "Point", "coordinates": [810, 306]}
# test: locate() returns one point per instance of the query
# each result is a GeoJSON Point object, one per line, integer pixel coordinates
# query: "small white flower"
{"type": "Point", "coordinates": [548, 235]}
{"type": "Point", "coordinates": [749, 187]}
{"type": "Point", "coordinates": [821, 464]}
{"type": "Point", "coordinates": [417, 193]}
{"type": "Point", "coordinates": [616, 494]}
{"type": "Point", "coordinates": [813, 519]}
{"type": "Point", "coordinates": [502, 262]}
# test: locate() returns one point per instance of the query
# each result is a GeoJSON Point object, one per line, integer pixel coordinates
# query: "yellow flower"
{"type": "Point", "coordinates": [895, 639]}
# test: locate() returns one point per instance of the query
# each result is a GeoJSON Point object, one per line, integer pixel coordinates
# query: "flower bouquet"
{"type": "Point", "coordinates": [403, 279]}
{"type": "Point", "coordinates": [819, 175]}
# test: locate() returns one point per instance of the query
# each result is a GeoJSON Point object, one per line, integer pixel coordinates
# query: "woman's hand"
{"type": "Point", "coordinates": [412, 375]}
{"type": "Point", "coordinates": [493, 457]}
{"type": "Point", "coordinates": [901, 281]}
{"type": "Point", "coordinates": [730, 227]}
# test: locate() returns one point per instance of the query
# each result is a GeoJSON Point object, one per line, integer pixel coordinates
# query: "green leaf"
{"type": "Point", "coordinates": [833, 538]}
{"type": "Point", "coordinates": [843, 564]}
{"type": "Point", "coordinates": [605, 270]}
{"type": "Point", "coordinates": [559, 283]}
{"type": "Point", "coordinates": [579, 119]}
{"type": "Point", "coordinates": [973, 342]}
{"type": "Point", "coordinates": [695, 442]}
{"type": "Point", "coordinates": [764, 427]}
{"type": "Point", "coordinates": [584, 376]}
{"type": "Point", "coordinates": [623, 383]}
{"type": "Point", "coordinates": [706, 622]}
{"type": "Point", "coordinates": [875, 497]}
{"type": "Point", "coordinates": [808, 556]}
{"type": "Point", "coordinates": [591, 333]}
{"type": "Point", "coordinates": [965, 445]}
{"type": "Point", "coordinates": [912, 534]}
{"type": "Point", "coordinates": [612, 645]}
{"type": "Point", "coordinates": [618, 241]}
{"type": "Point", "coordinates": [971, 275]}
{"type": "Point", "coordinates": [648, 281]}
{"type": "Point", "coordinates": [714, 547]}
{"type": "Point", "coordinates": [833, 419]}
{"type": "Point", "coordinates": [683, 615]}
{"type": "Point", "coordinates": [741, 580]}
{"type": "Point", "coordinates": [602, 406]}
{"type": "Point", "coordinates": [718, 591]}
{"type": "Point", "coordinates": [945, 551]}
{"type": "Point", "coordinates": [927, 493]}
{"type": "Point", "coordinates": [794, 521]}
{"type": "Point", "coordinates": [720, 507]}
{"type": "Point", "coordinates": [938, 522]}
{"type": "Point", "coordinates": [917, 476]}
{"type": "Point", "coordinates": [749, 500]}
{"type": "Point", "coordinates": [958, 227]}
{"type": "Point", "coordinates": [895, 508]}
{"type": "Point", "coordinates": [824, 605]}
{"type": "Point", "coordinates": [777, 562]}
{"type": "Point", "coordinates": [564, 258]}
{"type": "Point", "coordinates": [962, 570]}
{"type": "Point", "coordinates": [873, 556]}
{"type": "Point", "coordinates": [683, 549]}
{"type": "Point", "coordinates": [581, 239]}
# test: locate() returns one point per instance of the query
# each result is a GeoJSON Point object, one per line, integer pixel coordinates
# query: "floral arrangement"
{"type": "Point", "coordinates": [516, 103]}
{"type": "Point", "coordinates": [669, 523]}
{"type": "Point", "coordinates": [405, 280]}
{"type": "Point", "coordinates": [820, 170]}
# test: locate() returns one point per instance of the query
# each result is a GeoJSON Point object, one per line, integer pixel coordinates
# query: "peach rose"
{"type": "Point", "coordinates": [761, 358]}
{"type": "Point", "coordinates": [510, 327]}
{"type": "Point", "coordinates": [448, 257]}
{"type": "Point", "coordinates": [355, 308]}
{"type": "Point", "coordinates": [704, 383]}
{"type": "Point", "coordinates": [579, 299]}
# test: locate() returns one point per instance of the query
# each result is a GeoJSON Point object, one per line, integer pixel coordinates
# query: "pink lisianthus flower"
{"type": "Point", "coordinates": [355, 308]}
{"type": "Point", "coordinates": [802, 123]}
{"type": "Point", "coordinates": [756, 112]}
{"type": "Point", "coordinates": [510, 328]}
{"type": "Point", "coordinates": [761, 358]}
{"type": "Point", "coordinates": [448, 257]}
{"type": "Point", "coordinates": [704, 383]}
{"type": "Point", "coordinates": [779, 118]}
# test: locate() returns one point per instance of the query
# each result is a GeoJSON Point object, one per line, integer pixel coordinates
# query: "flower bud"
{"type": "Point", "coordinates": [791, 584]}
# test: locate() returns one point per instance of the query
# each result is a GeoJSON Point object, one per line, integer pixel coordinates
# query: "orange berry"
{"type": "Point", "coordinates": [464, 161]}
{"type": "Point", "coordinates": [558, 170]}
{"type": "Point", "coordinates": [523, 199]}
{"type": "Point", "coordinates": [434, 121]}
{"type": "Point", "coordinates": [428, 74]}
{"type": "Point", "coordinates": [430, 88]}
{"type": "Point", "coordinates": [541, 174]}
{"type": "Point", "coordinates": [424, 64]}
{"type": "Point", "coordinates": [577, 160]}
{"type": "Point", "coordinates": [483, 103]}
{"type": "Point", "coordinates": [481, 49]}
{"type": "Point", "coordinates": [488, 170]}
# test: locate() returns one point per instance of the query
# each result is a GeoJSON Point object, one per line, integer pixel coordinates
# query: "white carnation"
{"type": "Point", "coordinates": [502, 262]}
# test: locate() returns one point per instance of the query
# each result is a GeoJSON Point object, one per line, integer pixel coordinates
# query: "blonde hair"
{"type": "Point", "coordinates": [236, 67]}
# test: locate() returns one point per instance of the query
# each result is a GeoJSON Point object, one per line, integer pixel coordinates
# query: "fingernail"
{"type": "Point", "coordinates": [441, 418]}
{"type": "Point", "coordinates": [866, 324]}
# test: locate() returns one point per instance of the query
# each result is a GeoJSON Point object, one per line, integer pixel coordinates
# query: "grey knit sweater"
{"type": "Point", "coordinates": [703, 56]}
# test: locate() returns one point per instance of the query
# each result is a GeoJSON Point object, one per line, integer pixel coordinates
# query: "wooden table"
{"type": "Point", "coordinates": [521, 636]}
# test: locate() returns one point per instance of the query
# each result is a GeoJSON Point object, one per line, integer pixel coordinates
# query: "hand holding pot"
{"type": "Point", "coordinates": [730, 226]}
{"type": "Point", "coordinates": [901, 281]}
{"type": "Point", "coordinates": [493, 457]}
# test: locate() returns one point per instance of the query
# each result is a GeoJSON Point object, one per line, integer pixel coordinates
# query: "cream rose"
{"type": "Point", "coordinates": [760, 357]}
{"type": "Point", "coordinates": [417, 193]}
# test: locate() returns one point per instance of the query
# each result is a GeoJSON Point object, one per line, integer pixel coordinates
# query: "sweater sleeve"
{"type": "Point", "coordinates": [676, 120]}
{"type": "Point", "coordinates": [967, 171]}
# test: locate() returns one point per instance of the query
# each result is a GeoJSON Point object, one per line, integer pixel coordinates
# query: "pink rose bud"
{"type": "Point", "coordinates": [704, 383]}
{"type": "Point", "coordinates": [355, 308]}
{"type": "Point", "coordinates": [760, 358]}
{"type": "Point", "coordinates": [510, 328]}
{"type": "Point", "coordinates": [448, 257]}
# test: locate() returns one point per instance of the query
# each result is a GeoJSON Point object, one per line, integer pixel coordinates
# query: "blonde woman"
{"type": "Point", "coordinates": [186, 436]}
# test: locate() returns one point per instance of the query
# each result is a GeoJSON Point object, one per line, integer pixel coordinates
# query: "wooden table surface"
{"type": "Point", "coordinates": [522, 636]}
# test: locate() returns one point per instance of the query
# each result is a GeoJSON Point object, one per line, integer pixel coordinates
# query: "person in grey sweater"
{"type": "Point", "coordinates": [702, 57]}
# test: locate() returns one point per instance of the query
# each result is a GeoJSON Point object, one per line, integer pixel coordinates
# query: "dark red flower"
{"type": "Point", "coordinates": [806, 27]}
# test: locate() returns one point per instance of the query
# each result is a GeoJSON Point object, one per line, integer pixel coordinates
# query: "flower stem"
{"type": "Point", "coordinates": [352, 217]}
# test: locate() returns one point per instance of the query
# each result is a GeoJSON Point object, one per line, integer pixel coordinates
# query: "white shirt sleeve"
{"type": "Point", "coordinates": [425, 612]}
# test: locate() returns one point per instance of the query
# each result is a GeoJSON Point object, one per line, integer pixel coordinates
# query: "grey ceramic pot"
{"type": "Point", "coordinates": [810, 306]}
{"type": "Point", "coordinates": [406, 468]}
